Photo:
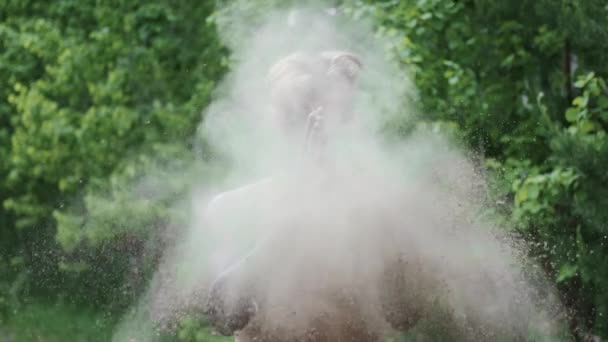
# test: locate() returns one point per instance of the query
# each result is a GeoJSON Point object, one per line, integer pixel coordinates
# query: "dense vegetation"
{"type": "Point", "coordinates": [94, 93]}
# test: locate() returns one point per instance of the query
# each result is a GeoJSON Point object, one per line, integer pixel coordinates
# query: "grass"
{"type": "Point", "coordinates": [49, 323]}
{"type": "Point", "coordinates": [41, 322]}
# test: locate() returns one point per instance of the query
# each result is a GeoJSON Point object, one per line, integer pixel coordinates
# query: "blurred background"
{"type": "Point", "coordinates": [100, 103]}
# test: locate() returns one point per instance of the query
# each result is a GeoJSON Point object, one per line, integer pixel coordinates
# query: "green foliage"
{"type": "Point", "coordinates": [55, 323]}
{"type": "Point", "coordinates": [92, 97]}
{"type": "Point", "coordinates": [560, 203]}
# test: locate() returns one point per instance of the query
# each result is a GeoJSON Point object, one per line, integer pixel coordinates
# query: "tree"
{"type": "Point", "coordinates": [90, 92]}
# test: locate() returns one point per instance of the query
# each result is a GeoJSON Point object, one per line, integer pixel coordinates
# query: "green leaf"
{"type": "Point", "coordinates": [583, 80]}
{"type": "Point", "coordinates": [572, 114]}
{"type": "Point", "coordinates": [507, 61]}
{"type": "Point", "coordinates": [521, 195]}
{"type": "Point", "coordinates": [587, 126]}
{"type": "Point", "coordinates": [594, 88]}
{"type": "Point", "coordinates": [566, 272]}
{"type": "Point", "coordinates": [581, 101]}
{"type": "Point", "coordinates": [533, 191]}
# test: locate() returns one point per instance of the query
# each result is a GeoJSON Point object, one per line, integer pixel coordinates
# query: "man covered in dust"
{"type": "Point", "coordinates": [312, 95]}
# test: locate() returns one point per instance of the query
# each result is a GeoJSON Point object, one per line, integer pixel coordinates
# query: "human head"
{"type": "Point", "coordinates": [300, 83]}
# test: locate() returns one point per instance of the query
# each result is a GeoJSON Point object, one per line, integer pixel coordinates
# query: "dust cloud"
{"type": "Point", "coordinates": [367, 232]}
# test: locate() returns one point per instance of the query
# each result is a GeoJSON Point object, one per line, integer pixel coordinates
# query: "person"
{"type": "Point", "coordinates": [312, 95]}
